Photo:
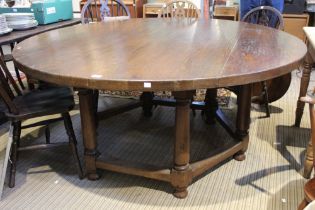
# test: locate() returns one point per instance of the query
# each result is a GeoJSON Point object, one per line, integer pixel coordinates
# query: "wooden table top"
{"type": "Point", "coordinates": [17, 36]}
{"type": "Point", "coordinates": [155, 54]}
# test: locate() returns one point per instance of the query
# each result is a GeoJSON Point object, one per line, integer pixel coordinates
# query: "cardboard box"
{"type": "Point", "coordinates": [51, 11]}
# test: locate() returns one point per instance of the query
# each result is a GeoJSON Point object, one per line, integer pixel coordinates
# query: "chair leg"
{"type": "Point", "coordinates": [47, 134]}
{"type": "Point", "coordinates": [19, 77]}
{"type": "Point", "coordinates": [16, 137]}
{"type": "Point", "coordinates": [266, 98]}
{"type": "Point", "coordinates": [308, 162]}
{"type": "Point", "coordinates": [6, 160]}
{"type": "Point", "coordinates": [72, 141]}
{"type": "Point", "coordinates": [303, 204]}
{"type": "Point", "coordinates": [146, 99]}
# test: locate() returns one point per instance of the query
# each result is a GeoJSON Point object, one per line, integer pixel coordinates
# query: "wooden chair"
{"type": "Point", "coordinates": [270, 17]}
{"type": "Point", "coordinates": [309, 188]}
{"type": "Point", "coordinates": [116, 10]}
{"type": "Point", "coordinates": [8, 58]}
{"type": "Point", "coordinates": [177, 9]}
{"type": "Point", "coordinates": [113, 11]}
{"type": "Point", "coordinates": [180, 9]}
{"type": "Point", "coordinates": [37, 103]}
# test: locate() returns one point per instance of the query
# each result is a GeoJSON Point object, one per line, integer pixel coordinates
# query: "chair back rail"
{"type": "Point", "coordinates": [180, 9]}
{"type": "Point", "coordinates": [107, 10]}
{"type": "Point", "coordinates": [9, 77]}
{"type": "Point", "coordinates": [265, 15]}
{"type": "Point", "coordinates": [6, 93]}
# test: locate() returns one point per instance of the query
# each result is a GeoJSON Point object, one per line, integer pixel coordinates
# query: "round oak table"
{"type": "Point", "coordinates": [152, 55]}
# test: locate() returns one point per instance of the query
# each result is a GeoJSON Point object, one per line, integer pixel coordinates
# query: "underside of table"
{"type": "Point", "coordinates": [182, 172]}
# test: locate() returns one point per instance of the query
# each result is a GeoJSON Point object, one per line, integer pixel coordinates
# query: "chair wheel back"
{"type": "Point", "coordinates": [104, 10]}
{"type": "Point", "coordinates": [180, 9]}
{"type": "Point", "coordinates": [265, 15]}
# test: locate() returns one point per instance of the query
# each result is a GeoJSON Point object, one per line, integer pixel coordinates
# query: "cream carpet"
{"type": "Point", "coordinates": [268, 179]}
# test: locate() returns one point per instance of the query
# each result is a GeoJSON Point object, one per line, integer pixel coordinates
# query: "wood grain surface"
{"type": "Point", "coordinates": [17, 36]}
{"type": "Point", "coordinates": [153, 54]}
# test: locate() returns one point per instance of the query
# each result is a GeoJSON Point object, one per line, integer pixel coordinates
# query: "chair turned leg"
{"type": "Point", "coordinates": [47, 134]}
{"type": "Point", "coordinates": [266, 98]}
{"type": "Point", "coordinates": [72, 141]}
{"type": "Point", "coordinates": [305, 80]}
{"type": "Point", "coordinates": [147, 103]}
{"type": "Point", "coordinates": [16, 137]}
{"type": "Point", "coordinates": [308, 163]}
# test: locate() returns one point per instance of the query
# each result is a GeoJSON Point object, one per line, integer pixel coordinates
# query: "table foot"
{"type": "Point", "coordinates": [93, 176]}
{"type": "Point", "coordinates": [180, 192]}
{"type": "Point", "coordinates": [240, 156]}
{"type": "Point", "coordinates": [181, 177]}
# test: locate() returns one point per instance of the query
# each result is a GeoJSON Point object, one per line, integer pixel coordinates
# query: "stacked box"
{"type": "Point", "coordinates": [50, 11]}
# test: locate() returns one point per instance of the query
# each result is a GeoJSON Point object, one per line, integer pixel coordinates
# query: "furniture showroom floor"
{"type": "Point", "coordinates": [269, 178]}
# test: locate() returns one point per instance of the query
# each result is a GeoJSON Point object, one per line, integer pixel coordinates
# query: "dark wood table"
{"type": "Point", "coordinates": [18, 36]}
{"type": "Point", "coordinates": [154, 55]}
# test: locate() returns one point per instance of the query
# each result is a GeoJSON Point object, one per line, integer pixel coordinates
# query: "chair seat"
{"type": "Point", "coordinates": [43, 102]}
{"type": "Point", "coordinates": [309, 190]}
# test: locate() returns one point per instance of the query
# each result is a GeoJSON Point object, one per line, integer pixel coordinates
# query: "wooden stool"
{"type": "Point", "coordinates": [309, 188]}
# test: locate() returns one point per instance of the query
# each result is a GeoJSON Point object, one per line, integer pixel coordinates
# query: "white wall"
{"type": "Point", "coordinates": [76, 5]}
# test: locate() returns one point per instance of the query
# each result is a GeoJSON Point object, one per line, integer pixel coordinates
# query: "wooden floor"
{"type": "Point", "coordinates": [269, 179]}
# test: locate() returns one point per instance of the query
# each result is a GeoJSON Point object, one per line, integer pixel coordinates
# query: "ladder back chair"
{"type": "Point", "coordinates": [270, 17]}
{"type": "Point", "coordinates": [36, 103]}
{"type": "Point", "coordinates": [180, 9]}
{"type": "Point", "coordinates": [107, 11]}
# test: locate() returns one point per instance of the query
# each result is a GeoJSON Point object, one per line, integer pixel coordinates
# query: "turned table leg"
{"type": "Point", "coordinates": [181, 174]}
{"type": "Point", "coordinates": [305, 80]}
{"type": "Point", "coordinates": [87, 112]}
{"type": "Point", "coordinates": [243, 119]}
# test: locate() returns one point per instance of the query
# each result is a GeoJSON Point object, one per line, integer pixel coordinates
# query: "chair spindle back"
{"type": "Point", "coordinates": [104, 10]}
{"type": "Point", "coordinates": [265, 15]}
{"type": "Point", "coordinates": [6, 93]}
{"type": "Point", "coordinates": [180, 9]}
